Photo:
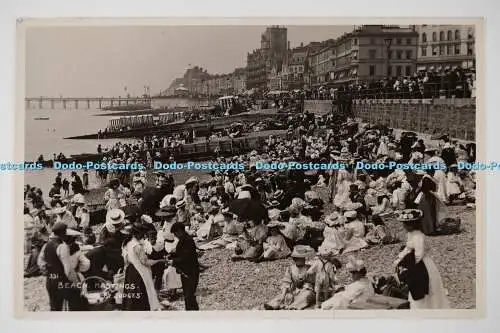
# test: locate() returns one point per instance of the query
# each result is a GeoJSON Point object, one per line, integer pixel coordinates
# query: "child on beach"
{"type": "Point", "coordinates": [323, 269]}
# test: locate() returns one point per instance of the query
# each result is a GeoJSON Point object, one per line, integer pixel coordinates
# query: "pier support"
{"type": "Point", "coordinates": [52, 104]}
{"type": "Point", "coordinates": [40, 104]}
{"type": "Point", "coordinates": [88, 104]}
{"type": "Point", "coordinates": [64, 104]}
{"type": "Point", "coordinates": [76, 104]}
{"type": "Point", "coordinates": [100, 104]}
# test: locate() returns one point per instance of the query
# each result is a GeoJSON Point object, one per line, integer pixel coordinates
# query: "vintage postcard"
{"type": "Point", "coordinates": [330, 167]}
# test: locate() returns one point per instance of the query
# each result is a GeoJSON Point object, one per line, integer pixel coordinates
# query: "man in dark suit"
{"type": "Point", "coordinates": [185, 260]}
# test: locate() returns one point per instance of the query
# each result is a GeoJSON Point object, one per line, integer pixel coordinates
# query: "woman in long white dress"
{"type": "Point", "coordinates": [436, 296]}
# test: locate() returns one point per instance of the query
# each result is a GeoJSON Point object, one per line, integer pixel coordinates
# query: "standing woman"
{"type": "Point", "coordinates": [140, 294]}
{"type": "Point", "coordinates": [429, 203]}
{"type": "Point", "coordinates": [424, 281]}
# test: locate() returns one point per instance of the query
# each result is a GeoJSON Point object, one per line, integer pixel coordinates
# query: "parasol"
{"type": "Point", "coordinates": [248, 209]}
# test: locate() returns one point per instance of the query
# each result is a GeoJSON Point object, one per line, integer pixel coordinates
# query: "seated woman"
{"type": "Point", "coordinates": [354, 233]}
{"type": "Point", "coordinates": [378, 233]}
{"type": "Point", "coordinates": [359, 290]}
{"type": "Point", "coordinates": [383, 206]}
{"type": "Point", "coordinates": [297, 289]}
{"type": "Point", "coordinates": [333, 234]}
{"type": "Point", "coordinates": [250, 244]}
{"type": "Point", "coordinates": [275, 246]}
{"type": "Point", "coordinates": [230, 232]}
{"type": "Point", "coordinates": [196, 220]}
{"type": "Point", "coordinates": [295, 229]}
{"type": "Point", "coordinates": [454, 185]}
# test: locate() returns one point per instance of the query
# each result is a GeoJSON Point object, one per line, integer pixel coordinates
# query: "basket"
{"type": "Point", "coordinates": [449, 225]}
{"type": "Point", "coordinates": [100, 298]}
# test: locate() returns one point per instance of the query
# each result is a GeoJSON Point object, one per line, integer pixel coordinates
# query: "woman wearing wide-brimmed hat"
{"type": "Point", "coordinates": [333, 234]}
{"type": "Point", "coordinates": [297, 287]}
{"type": "Point", "coordinates": [168, 213]}
{"type": "Point", "coordinates": [116, 195]}
{"type": "Point", "coordinates": [426, 291]}
{"type": "Point", "coordinates": [82, 215]}
{"type": "Point", "coordinates": [354, 232]}
{"type": "Point", "coordinates": [358, 291]}
{"type": "Point", "coordinates": [275, 246]}
{"type": "Point", "coordinates": [60, 213]}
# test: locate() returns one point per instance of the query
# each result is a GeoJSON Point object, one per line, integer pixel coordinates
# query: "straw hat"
{"type": "Point", "coordinates": [115, 216]}
{"type": "Point", "coordinates": [274, 214]}
{"type": "Point", "coordinates": [351, 214]}
{"type": "Point", "coordinates": [275, 225]}
{"type": "Point", "coordinates": [302, 251]}
{"type": "Point", "coordinates": [168, 200]}
{"type": "Point", "coordinates": [58, 210]}
{"type": "Point", "coordinates": [333, 219]}
{"type": "Point", "coordinates": [192, 180]}
{"type": "Point", "coordinates": [278, 194]}
{"type": "Point", "coordinates": [180, 204]}
{"type": "Point", "coordinates": [410, 215]}
{"type": "Point", "coordinates": [146, 219]}
{"type": "Point", "coordinates": [168, 211]}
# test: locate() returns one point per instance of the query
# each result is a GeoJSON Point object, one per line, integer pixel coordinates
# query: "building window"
{"type": "Point", "coordinates": [449, 50]}
{"type": "Point", "coordinates": [408, 71]}
{"type": "Point", "coordinates": [372, 54]}
{"type": "Point", "coordinates": [398, 70]}
{"type": "Point", "coordinates": [389, 54]}
{"type": "Point", "coordinates": [450, 35]}
{"type": "Point", "coordinates": [457, 49]}
{"type": "Point", "coordinates": [409, 54]}
{"type": "Point", "coordinates": [441, 50]}
{"type": "Point", "coordinates": [441, 35]}
{"type": "Point", "coordinates": [372, 41]}
{"type": "Point", "coordinates": [399, 54]}
{"type": "Point", "coordinates": [355, 41]}
{"type": "Point", "coordinates": [424, 51]}
{"type": "Point", "coordinates": [470, 49]}
{"type": "Point", "coordinates": [389, 71]}
{"type": "Point", "coordinates": [372, 70]}
{"type": "Point", "coordinates": [434, 36]}
{"type": "Point", "coordinates": [457, 34]}
{"type": "Point", "coordinates": [408, 41]}
{"type": "Point", "coordinates": [424, 38]}
{"type": "Point", "coordinates": [398, 41]}
{"type": "Point", "coordinates": [434, 50]}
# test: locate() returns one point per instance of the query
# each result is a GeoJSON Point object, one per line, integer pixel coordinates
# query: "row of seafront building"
{"type": "Point", "coordinates": [367, 53]}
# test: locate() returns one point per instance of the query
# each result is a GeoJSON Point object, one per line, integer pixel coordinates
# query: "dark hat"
{"type": "Point", "coordinates": [59, 228]}
{"type": "Point", "coordinates": [114, 182]}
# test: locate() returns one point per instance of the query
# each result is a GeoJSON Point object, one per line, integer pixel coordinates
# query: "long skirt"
{"type": "Point", "coordinates": [297, 300]}
{"type": "Point", "coordinates": [135, 295]}
{"type": "Point", "coordinates": [436, 299]}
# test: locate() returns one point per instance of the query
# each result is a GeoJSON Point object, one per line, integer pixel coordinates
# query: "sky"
{"type": "Point", "coordinates": [102, 61]}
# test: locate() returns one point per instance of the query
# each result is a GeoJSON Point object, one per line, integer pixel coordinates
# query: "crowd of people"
{"type": "Point", "coordinates": [150, 240]}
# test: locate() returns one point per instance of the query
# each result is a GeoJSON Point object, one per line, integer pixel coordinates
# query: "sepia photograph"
{"type": "Point", "coordinates": [241, 166]}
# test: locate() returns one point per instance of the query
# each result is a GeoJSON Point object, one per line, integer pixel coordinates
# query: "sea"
{"type": "Point", "coordinates": [46, 137]}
